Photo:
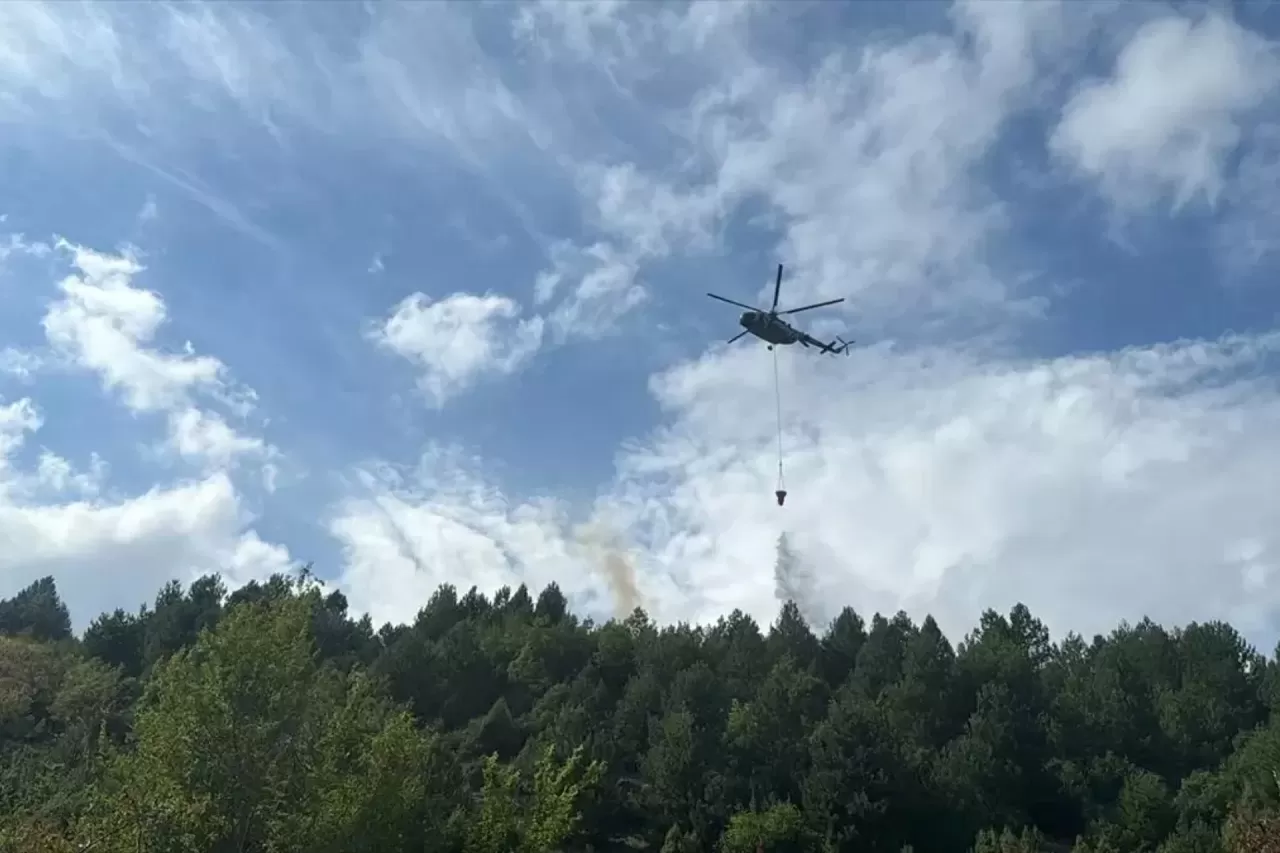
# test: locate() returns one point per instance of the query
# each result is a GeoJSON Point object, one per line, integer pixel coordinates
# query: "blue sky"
{"type": "Point", "coordinates": [416, 292]}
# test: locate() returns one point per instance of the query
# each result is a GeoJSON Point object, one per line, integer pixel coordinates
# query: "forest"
{"type": "Point", "coordinates": [269, 718]}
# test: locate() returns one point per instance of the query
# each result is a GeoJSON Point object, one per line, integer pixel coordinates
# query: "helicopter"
{"type": "Point", "coordinates": [769, 326]}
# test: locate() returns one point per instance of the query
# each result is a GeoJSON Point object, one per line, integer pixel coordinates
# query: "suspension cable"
{"type": "Point", "coordinates": [777, 397]}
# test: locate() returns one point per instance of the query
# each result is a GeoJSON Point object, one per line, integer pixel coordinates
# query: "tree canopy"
{"type": "Point", "coordinates": [272, 719]}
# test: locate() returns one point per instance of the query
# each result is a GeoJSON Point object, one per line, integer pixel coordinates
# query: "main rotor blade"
{"type": "Point", "coordinates": [777, 288]}
{"type": "Point", "coordinates": [814, 305]}
{"type": "Point", "coordinates": [731, 302]}
{"type": "Point", "coordinates": [735, 337]}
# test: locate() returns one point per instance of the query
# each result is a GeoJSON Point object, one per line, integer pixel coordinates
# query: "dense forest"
{"type": "Point", "coordinates": [270, 719]}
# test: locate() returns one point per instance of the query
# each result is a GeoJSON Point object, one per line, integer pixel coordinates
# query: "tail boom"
{"type": "Point", "coordinates": [838, 347]}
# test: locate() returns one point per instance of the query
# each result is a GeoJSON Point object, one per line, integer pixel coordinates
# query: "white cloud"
{"type": "Point", "coordinates": [585, 292]}
{"type": "Point", "coordinates": [1092, 488]}
{"type": "Point", "coordinates": [107, 549]}
{"type": "Point", "coordinates": [112, 551]}
{"type": "Point", "coordinates": [35, 42]}
{"type": "Point", "coordinates": [1167, 121]}
{"type": "Point", "coordinates": [931, 477]}
{"type": "Point", "coordinates": [103, 323]}
{"type": "Point", "coordinates": [935, 478]}
{"type": "Point", "coordinates": [16, 420]}
{"type": "Point", "coordinates": [645, 218]}
{"type": "Point", "coordinates": [19, 363]}
{"type": "Point", "coordinates": [57, 56]}
{"type": "Point", "coordinates": [596, 286]}
{"type": "Point", "coordinates": [574, 27]}
{"type": "Point", "coordinates": [867, 163]}
{"type": "Point", "coordinates": [234, 51]}
{"type": "Point", "coordinates": [59, 476]}
{"type": "Point", "coordinates": [53, 476]}
{"type": "Point", "coordinates": [405, 533]}
{"type": "Point", "coordinates": [652, 215]}
{"type": "Point", "coordinates": [423, 71]}
{"type": "Point", "coordinates": [627, 42]}
{"type": "Point", "coordinates": [459, 339]}
{"type": "Point", "coordinates": [171, 90]}
{"type": "Point", "coordinates": [863, 160]}
{"type": "Point", "coordinates": [206, 436]}
{"type": "Point", "coordinates": [409, 72]}
{"type": "Point", "coordinates": [1248, 234]}
{"type": "Point", "coordinates": [149, 210]}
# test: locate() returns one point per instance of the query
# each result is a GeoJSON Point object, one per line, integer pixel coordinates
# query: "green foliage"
{"type": "Point", "coordinates": [272, 719]}
{"type": "Point", "coordinates": [778, 829]}
{"type": "Point", "coordinates": [495, 826]}
{"type": "Point", "coordinates": [538, 820]}
{"type": "Point", "coordinates": [1008, 841]}
{"type": "Point", "coordinates": [245, 741]}
{"type": "Point", "coordinates": [553, 814]}
{"type": "Point", "coordinates": [36, 612]}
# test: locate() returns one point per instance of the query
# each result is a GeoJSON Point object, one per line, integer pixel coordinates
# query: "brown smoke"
{"type": "Point", "coordinates": [607, 556]}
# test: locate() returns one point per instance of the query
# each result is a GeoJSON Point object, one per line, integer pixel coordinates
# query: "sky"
{"type": "Point", "coordinates": [416, 294]}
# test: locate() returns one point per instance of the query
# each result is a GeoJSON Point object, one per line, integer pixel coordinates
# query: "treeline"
{"type": "Point", "coordinates": [270, 719]}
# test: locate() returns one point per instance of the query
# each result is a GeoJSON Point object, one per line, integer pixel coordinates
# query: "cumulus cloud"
{"type": "Point", "coordinates": [53, 475]}
{"type": "Point", "coordinates": [197, 434]}
{"type": "Point", "coordinates": [115, 551]}
{"type": "Point", "coordinates": [945, 471]}
{"type": "Point", "coordinates": [1166, 122]}
{"type": "Point", "coordinates": [459, 339]}
{"type": "Point", "coordinates": [936, 473]}
{"type": "Point", "coordinates": [103, 323]}
{"type": "Point", "coordinates": [61, 477]}
{"type": "Point", "coordinates": [107, 548]}
{"type": "Point", "coordinates": [1092, 488]}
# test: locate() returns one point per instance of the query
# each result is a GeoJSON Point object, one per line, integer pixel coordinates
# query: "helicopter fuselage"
{"type": "Point", "coordinates": [770, 329]}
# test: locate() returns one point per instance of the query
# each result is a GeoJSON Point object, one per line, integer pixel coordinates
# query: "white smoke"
{"type": "Point", "coordinates": [792, 581]}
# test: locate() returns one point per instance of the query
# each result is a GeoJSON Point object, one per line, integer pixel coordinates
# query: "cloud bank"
{"type": "Point", "coordinates": [596, 167]}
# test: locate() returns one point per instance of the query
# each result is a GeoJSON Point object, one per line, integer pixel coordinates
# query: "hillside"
{"type": "Point", "coordinates": [270, 719]}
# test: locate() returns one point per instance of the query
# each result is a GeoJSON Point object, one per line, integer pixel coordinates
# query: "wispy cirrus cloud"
{"type": "Point", "coordinates": [18, 363]}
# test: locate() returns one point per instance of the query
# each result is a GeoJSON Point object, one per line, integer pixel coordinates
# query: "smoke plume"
{"type": "Point", "coordinates": [792, 581]}
{"type": "Point", "coordinates": [607, 556]}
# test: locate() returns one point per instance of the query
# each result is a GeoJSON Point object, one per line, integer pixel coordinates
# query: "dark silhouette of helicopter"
{"type": "Point", "coordinates": [769, 326]}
